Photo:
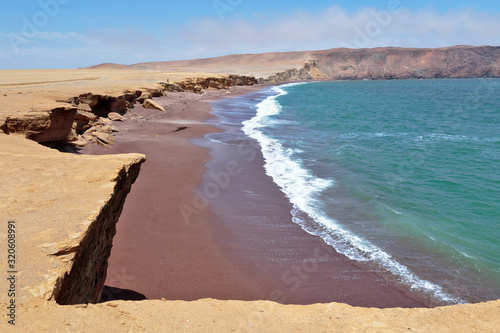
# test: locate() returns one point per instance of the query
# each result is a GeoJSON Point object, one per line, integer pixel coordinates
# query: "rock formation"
{"type": "Point", "coordinates": [65, 208]}
{"type": "Point", "coordinates": [399, 63]}
{"type": "Point", "coordinates": [150, 104]}
{"type": "Point", "coordinates": [48, 126]}
{"type": "Point", "coordinates": [79, 120]}
{"type": "Point", "coordinates": [197, 85]}
{"type": "Point", "coordinates": [308, 71]}
{"type": "Point", "coordinates": [396, 63]}
{"type": "Point", "coordinates": [115, 116]}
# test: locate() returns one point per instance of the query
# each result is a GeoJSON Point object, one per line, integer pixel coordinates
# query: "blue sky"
{"type": "Point", "coordinates": [77, 33]}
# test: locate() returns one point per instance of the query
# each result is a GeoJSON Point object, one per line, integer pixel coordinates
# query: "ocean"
{"type": "Point", "coordinates": [402, 177]}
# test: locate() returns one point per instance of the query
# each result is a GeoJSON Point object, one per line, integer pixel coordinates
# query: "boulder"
{"type": "Point", "coordinates": [79, 142]}
{"type": "Point", "coordinates": [150, 104]}
{"type": "Point", "coordinates": [84, 119]}
{"type": "Point", "coordinates": [156, 92]}
{"type": "Point", "coordinates": [145, 95]}
{"type": "Point", "coordinates": [103, 139]}
{"type": "Point", "coordinates": [84, 107]}
{"type": "Point", "coordinates": [115, 116]}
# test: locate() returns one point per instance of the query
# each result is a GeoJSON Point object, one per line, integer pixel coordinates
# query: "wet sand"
{"type": "Point", "coordinates": [180, 237]}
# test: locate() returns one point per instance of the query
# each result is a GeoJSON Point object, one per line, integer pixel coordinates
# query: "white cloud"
{"type": "Point", "coordinates": [335, 27]}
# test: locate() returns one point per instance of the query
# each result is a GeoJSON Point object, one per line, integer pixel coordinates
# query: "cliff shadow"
{"type": "Point", "coordinates": [118, 294]}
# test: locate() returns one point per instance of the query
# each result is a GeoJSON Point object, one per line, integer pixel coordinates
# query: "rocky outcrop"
{"type": "Point", "coordinates": [102, 105]}
{"type": "Point", "coordinates": [85, 280]}
{"type": "Point", "coordinates": [49, 126]}
{"type": "Point", "coordinates": [399, 63]}
{"type": "Point", "coordinates": [65, 207]}
{"type": "Point", "coordinates": [150, 104]}
{"type": "Point", "coordinates": [101, 133]}
{"type": "Point", "coordinates": [84, 119]}
{"type": "Point", "coordinates": [115, 116]}
{"type": "Point", "coordinates": [396, 63]}
{"type": "Point", "coordinates": [70, 123]}
{"type": "Point", "coordinates": [242, 80]}
{"type": "Point", "coordinates": [197, 85]}
{"type": "Point", "coordinates": [308, 71]}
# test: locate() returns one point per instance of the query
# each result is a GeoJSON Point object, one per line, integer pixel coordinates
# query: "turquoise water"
{"type": "Point", "coordinates": [401, 176]}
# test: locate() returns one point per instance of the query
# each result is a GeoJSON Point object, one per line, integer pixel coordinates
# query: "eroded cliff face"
{"type": "Point", "coordinates": [83, 119]}
{"type": "Point", "coordinates": [197, 85]}
{"type": "Point", "coordinates": [85, 280]}
{"type": "Point", "coordinates": [48, 126]}
{"type": "Point", "coordinates": [308, 71]}
{"type": "Point", "coordinates": [65, 208]}
{"type": "Point", "coordinates": [396, 63]}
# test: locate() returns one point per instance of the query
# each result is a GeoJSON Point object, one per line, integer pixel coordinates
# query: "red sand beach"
{"type": "Point", "coordinates": [171, 245]}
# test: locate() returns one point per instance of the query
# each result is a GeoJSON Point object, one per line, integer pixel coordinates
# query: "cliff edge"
{"type": "Point", "coordinates": [62, 209]}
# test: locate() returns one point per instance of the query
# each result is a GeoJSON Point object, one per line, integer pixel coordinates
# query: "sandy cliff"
{"type": "Point", "coordinates": [65, 208]}
{"type": "Point", "coordinates": [58, 105]}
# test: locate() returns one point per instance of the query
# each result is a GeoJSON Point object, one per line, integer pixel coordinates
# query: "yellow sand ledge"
{"type": "Point", "coordinates": [61, 203]}
{"type": "Point", "coordinates": [39, 90]}
{"type": "Point", "coordinates": [210, 315]}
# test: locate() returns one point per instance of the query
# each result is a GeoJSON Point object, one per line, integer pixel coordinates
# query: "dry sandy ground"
{"type": "Point", "coordinates": [39, 90]}
{"type": "Point", "coordinates": [210, 315]}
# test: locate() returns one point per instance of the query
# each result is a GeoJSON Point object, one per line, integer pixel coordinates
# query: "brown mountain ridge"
{"type": "Point", "coordinates": [346, 64]}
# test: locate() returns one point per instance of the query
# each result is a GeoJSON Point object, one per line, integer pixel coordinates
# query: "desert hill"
{"type": "Point", "coordinates": [345, 64]}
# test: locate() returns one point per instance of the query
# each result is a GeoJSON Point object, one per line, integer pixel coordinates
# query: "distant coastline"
{"type": "Point", "coordinates": [381, 63]}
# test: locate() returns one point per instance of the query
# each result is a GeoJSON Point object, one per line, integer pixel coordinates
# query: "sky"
{"type": "Point", "coordinates": [81, 33]}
